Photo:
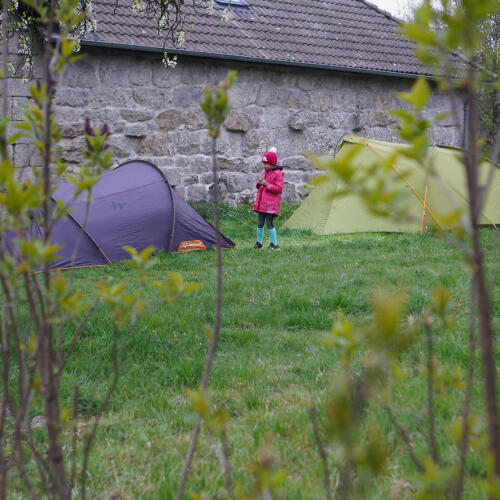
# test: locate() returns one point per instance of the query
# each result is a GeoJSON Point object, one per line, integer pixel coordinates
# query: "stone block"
{"type": "Point", "coordinates": [71, 115]}
{"type": "Point", "coordinates": [169, 120]}
{"type": "Point", "coordinates": [289, 142]}
{"type": "Point", "coordinates": [229, 143]}
{"type": "Point", "coordinates": [448, 121]}
{"type": "Point", "coordinates": [374, 118]}
{"type": "Point", "coordinates": [17, 88]}
{"type": "Point", "coordinates": [190, 72]}
{"type": "Point", "coordinates": [381, 134]}
{"type": "Point", "coordinates": [257, 140]}
{"type": "Point", "coordinates": [149, 98]}
{"type": "Point", "coordinates": [189, 180]}
{"type": "Point", "coordinates": [206, 178]}
{"type": "Point", "coordinates": [344, 101]}
{"type": "Point", "coordinates": [253, 164]}
{"type": "Point", "coordinates": [136, 114]}
{"type": "Point", "coordinates": [294, 176]}
{"type": "Point", "coordinates": [239, 121]}
{"type": "Point", "coordinates": [71, 150]}
{"type": "Point", "coordinates": [307, 82]}
{"type": "Point", "coordinates": [319, 140]}
{"type": "Point", "coordinates": [140, 72]}
{"type": "Point", "coordinates": [154, 145]}
{"type": "Point", "coordinates": [106, 97]}
{"type": "Point", "coordinates": [136, 130]}
{"type": "Point", "coordinates": [344, 121]}
{"type": "Point", "coordinates": [283, 77]}
{"type": "Point", "coordinates": [244, 95]}
{"type": "Point", "coordinates": [25, 155]}
{"type": "Point", "coordinates": [273, 117]}
{"type": "Point", "coordinates": [81, 74]}
{"type": "Point", "coordinates": [72, 130]}
{"type": "Point", "coordinates": [230, 164]}
{"type": "Point", "coordinates": [197, 164]}
{"type": "Point", "coordinates": [186, 142]}
{"type": "Point", "coordinates": [237, 183]}
{"type": "Point", "coordinates": [319, 100]}
{"type": "Point", "coordinates": [173, 176]}
{"type": "Point", "coordinates": [19, 104]}
{"type": "Point", "coordinates": [72, 97]}
{"type": "Point", "coordinates": [164, 77]}
{"type": "Point", "coordinates": [296, 163]}
{"type": "Point", "coordinates": [289, 193]}
{"type": "Point", "coordinates": [114, 71]}
{"type": "Point", "coordinates": [222, 191]}
{"type": "Point", "coordinates": [194, 119]}
{"type": "Point", "coordinates": [216, 73]}
{"type": "Point", "coordinates": [447, 136]}
{"type": "Point", "coordinates": [293, 98]}
{"type": "Point", "coordinates": [302, 120]}
{"type": "Point", "coordinates": [117, 127]}
{"type": "Point", "coordinates": [196, 192]}
{"type": "Point", "coordinates": [120, 146]}
{"type": "Point", "coordinates": [269, 95]}
{"type": "Point", "coordinates": [187, 96]}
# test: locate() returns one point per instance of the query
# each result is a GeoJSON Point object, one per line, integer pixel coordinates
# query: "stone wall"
{"type": "Point", "coordinates": [153, 114]}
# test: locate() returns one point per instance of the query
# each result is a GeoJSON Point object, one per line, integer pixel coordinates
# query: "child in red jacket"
{"type": "Point", "coordinates": [267, 205]}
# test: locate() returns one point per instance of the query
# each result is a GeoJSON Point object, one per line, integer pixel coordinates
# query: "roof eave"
{"type": "Point", "coordinates": [260, 60]}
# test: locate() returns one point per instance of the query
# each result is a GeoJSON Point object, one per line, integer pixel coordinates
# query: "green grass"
{"type": "Point", "coordinates": [268, 368]}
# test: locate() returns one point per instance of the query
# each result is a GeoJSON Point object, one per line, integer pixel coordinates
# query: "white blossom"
{"type": "Point", "coordinates": [226, 14]}
{"type": "Point", "coordinates": [138, 6]}
{"type": "Point", "coordinates": [169, 61]}
{"type": "Point", "coordinates": [181, 38]}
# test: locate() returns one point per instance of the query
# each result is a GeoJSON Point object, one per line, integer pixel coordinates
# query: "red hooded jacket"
{"type": "Point", "coordinates": [269, 197]}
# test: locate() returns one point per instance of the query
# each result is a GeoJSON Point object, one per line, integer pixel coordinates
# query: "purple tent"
{"type": "Point", "coordinates": [131, 205]}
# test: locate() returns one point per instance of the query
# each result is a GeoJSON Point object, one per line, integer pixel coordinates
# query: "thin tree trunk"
{"type": "Point", "coordinates": [482, 298]}
{"type": "Point", "coordinates": [430, 393]}
{"type": "Point", "coordinates": [218, 316]}
{"type": "Point", "coordinates": [468, 395]}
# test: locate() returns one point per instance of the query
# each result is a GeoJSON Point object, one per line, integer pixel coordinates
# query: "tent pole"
{"type": "Point", "coordinates": [88, 235]}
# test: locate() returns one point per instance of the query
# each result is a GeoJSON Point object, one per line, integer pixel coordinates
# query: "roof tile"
{"type": "Point", "coordinates": [327, 33]}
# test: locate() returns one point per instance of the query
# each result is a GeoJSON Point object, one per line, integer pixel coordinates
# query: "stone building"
{"type": "Point", "coordinates": [308, 72]}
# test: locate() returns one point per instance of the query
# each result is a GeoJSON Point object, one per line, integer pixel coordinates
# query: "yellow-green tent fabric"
{"type": "Point", "coordinates": [427, 196]}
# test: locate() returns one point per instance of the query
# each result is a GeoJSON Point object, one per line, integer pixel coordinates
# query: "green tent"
{"type": "Point", "coordinates": [427, 196]}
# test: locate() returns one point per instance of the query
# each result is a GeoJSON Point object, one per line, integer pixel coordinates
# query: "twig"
{"type": "Point", "coordinates": [468, 397]}
{"type": "Point", "coordinates": [5, 401]}
{"type": "Point", "coordinates": [322, 452]}
{"type": "Point", "coordinates": [226, 465]}
{"type": "Point", "coordinates": [430, 392]}
{"type": "Point", "coordinates": [406, 439]}
{"type": "Point", "coordinates": [76, 400]}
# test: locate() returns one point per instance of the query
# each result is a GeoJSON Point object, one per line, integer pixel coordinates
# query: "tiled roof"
{"type": "Point", "coordinates": [350, 35]}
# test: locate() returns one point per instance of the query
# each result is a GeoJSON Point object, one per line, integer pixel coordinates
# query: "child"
{"type": "Point", "coordinates": [267, 204]}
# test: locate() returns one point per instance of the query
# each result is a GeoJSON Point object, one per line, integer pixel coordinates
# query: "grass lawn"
{"type": "Point", "coordinates": [268, 369]}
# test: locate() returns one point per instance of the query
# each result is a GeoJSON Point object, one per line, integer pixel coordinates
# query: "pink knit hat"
{"type": "Point", "coordinates": [271, 158]}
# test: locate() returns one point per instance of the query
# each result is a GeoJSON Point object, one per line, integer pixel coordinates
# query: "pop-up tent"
{"type": "Point", "coordinates": [131, 205]}
{"type": "Point", "coordinates": [427, 200]}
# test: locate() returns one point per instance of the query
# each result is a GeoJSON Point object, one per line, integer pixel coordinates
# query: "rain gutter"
{"type": "Point", "coordinates": [248, 59]}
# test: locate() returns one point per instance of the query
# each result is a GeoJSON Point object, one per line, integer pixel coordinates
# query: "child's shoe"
{"type": "Point", "coordinates": [272, 246]}
{"type": "Point", "coordinates": [257, 245]}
